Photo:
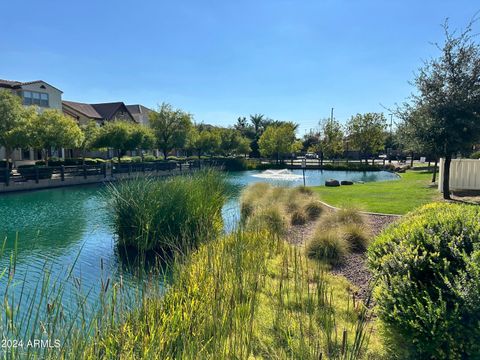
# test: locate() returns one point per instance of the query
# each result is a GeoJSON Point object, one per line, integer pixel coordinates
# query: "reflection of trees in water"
{"type": "Point", "coordinates": [50, 220]}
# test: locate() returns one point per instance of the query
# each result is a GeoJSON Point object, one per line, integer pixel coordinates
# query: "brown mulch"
{"type": "Point", "coordinates": [354, 268]}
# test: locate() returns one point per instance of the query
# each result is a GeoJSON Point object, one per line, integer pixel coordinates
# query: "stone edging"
{"type": "Point", "coordinates": [363, 212]}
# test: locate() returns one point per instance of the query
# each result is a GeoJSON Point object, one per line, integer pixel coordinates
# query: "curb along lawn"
{"type": "Point", "coordinates": [414, 188]}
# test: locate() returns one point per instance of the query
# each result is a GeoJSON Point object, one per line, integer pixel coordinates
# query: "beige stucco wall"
{"type": "Point", "coordinates": [54, 95]}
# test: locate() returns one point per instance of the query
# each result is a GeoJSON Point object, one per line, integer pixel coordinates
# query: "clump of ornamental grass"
{"type": "Point", "coordinates": [298, 217]}
{"type": "Point", "coordinates": [313, 209]}
{"type": "Point", "coordinates": [270, 219]}
{"type": "Point", "coordinates": [343, 216]}
{"type": "Point", "coordinates": [328, 246]}
{"type": "Point", "coordinates": [168, 215]}
{"type": "Point", "coordinates": [293, 206]}
{"type": "Point", "coordinates": [357, 235]}
{"type": "Point", "coordinates": [337, 234]}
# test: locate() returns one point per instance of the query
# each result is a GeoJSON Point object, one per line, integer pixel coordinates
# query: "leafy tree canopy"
{"type": "Point", "coordinates": [278, 140]}
{"type": "Point", "coordinates": [52, 129]}
{"type": "Point", "coordinates": [367, 133]}
{"type": "Point", "coordinates": [444, 112]}
{"type": "Point", "coordinates": [171, 127]}
{"type": "Point", "coordinates": [14, 119]}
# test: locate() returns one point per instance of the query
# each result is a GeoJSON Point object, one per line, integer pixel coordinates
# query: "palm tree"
{"type": "Point", "coordinates": [257, 121]}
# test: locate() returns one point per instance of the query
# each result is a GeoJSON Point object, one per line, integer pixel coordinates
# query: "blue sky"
{"type": "Point", "coordinates": [290, 60]}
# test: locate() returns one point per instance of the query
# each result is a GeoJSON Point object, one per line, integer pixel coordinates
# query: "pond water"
{"type": "Point", "coordinates": [63, 226]}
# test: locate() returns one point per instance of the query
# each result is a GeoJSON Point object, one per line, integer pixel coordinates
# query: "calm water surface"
{"type": "Point", "coordinates": [60, 226]}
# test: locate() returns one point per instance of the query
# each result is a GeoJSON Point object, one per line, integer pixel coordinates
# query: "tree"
{"type": "Point", "coordinates": [52, 129]}
{"type": "Point", "coordinates": [203, 140]}
{"type": "Point", "coordinates": [331, 140]}
{"type": "Point", "coordinates": [142, 138]}
{"type": "Point", "coordinates": [258, 125]}
{"type": "Point", "coordinates": [311, 141]}
{"type": "Point", "coordinates": [90, 131]}
{"type": "Point", "coordinates": [278, 140]}
{"type": "Point", "coordinates": [445, 110]}
{"type": "Point", "coordinates": [171, 127]}
{"type": "Point", "coordinates": [233, 143]}
{"type": "Point", "coordinates": [122, 136]}
{"type": "Point", "coordinates": [367, 133]}
{"type": "Point", "coordinates": [14, 119]}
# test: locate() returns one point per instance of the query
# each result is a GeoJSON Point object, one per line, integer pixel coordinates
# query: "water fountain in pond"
{"type": "Point", "coordinates": [282, 174]}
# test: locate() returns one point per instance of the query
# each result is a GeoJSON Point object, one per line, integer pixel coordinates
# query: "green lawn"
{"type": "Point", "coordinates": [391, 197]}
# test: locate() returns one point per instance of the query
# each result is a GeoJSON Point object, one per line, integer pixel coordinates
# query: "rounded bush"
{"type": "Point", "coordinates": [475, 155]}
{"type": "Point", "coordinates": [313, 209]}
{"type": "Point", "coordinates": [427, 270]}
{"type": "Point", "coordinates": [327, 245]}
{"type": "Point", "coordinates": [298, 217]}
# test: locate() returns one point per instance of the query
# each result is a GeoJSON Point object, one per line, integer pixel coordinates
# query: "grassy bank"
{"type": "Point", "coordinates": [393, 197]}
{"type": "Point", "coordinates": [244, 295]}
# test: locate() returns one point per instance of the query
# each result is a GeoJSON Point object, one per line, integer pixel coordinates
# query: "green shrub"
{"type": "Point", "coordinates": [149, 158]}
{"type": "Point", "coordinates": [231, 164]}
{"type": "Point", "coordinates": [168, 215]}
{"type": "Point", "coordinates": [327, 245]}
{"type": "Point", "coordinates": [475, 155]}
{"type": "Point", "coordinates": [356, 235]}
{"type": "Point", "coordinates": [313, 209]}
{"type": "Point", "coordinates": [427, 270]}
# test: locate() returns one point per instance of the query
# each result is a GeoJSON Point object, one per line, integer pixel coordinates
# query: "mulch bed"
{"type": "Point", "coordinates": [354, 268]}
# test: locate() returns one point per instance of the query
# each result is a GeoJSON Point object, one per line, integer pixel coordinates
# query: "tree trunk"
{"type": "Point", "coordinates": [45, 156]}
{"type": "Point", "coordinates": [434, 177]}
{"type": "Point", "coordinates": [165, 155]}
{"type": "Point", "coordinates": [321, 158]}
{"type": "Point", "coordinates": [446, 177]}
{"type": "Point", "coordinates": [411, 160]}
{"type": "Point", "coordinates": [8, 156]}
{"type": "Point", "coordinates": [118, 156]}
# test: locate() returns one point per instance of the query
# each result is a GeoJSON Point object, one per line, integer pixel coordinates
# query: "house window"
{"type": "Point", "coordinates": [35, 98]}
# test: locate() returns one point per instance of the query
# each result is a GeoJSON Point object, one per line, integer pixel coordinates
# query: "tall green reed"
{"type": "Point", "coordinates": [168, 215]}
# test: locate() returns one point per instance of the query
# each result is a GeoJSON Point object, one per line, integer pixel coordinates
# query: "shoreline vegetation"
{"type": "Point", "coordinates": [259, 291]}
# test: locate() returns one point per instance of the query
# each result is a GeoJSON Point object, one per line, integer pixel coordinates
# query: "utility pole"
{"type": "Point", "coordinates": [390, 149]}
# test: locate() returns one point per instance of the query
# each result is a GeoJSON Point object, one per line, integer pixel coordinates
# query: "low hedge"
{"type": "Point", "coordinates": [427, 271]}
{"type": "Point", "coordinates": [3, 164]}
{"type": "Point", "coordinates": [475, 155]}
{"type": "Point", "coordinates": [71, 162]}
{"type": "Point", "coordinates": [29, 172]}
